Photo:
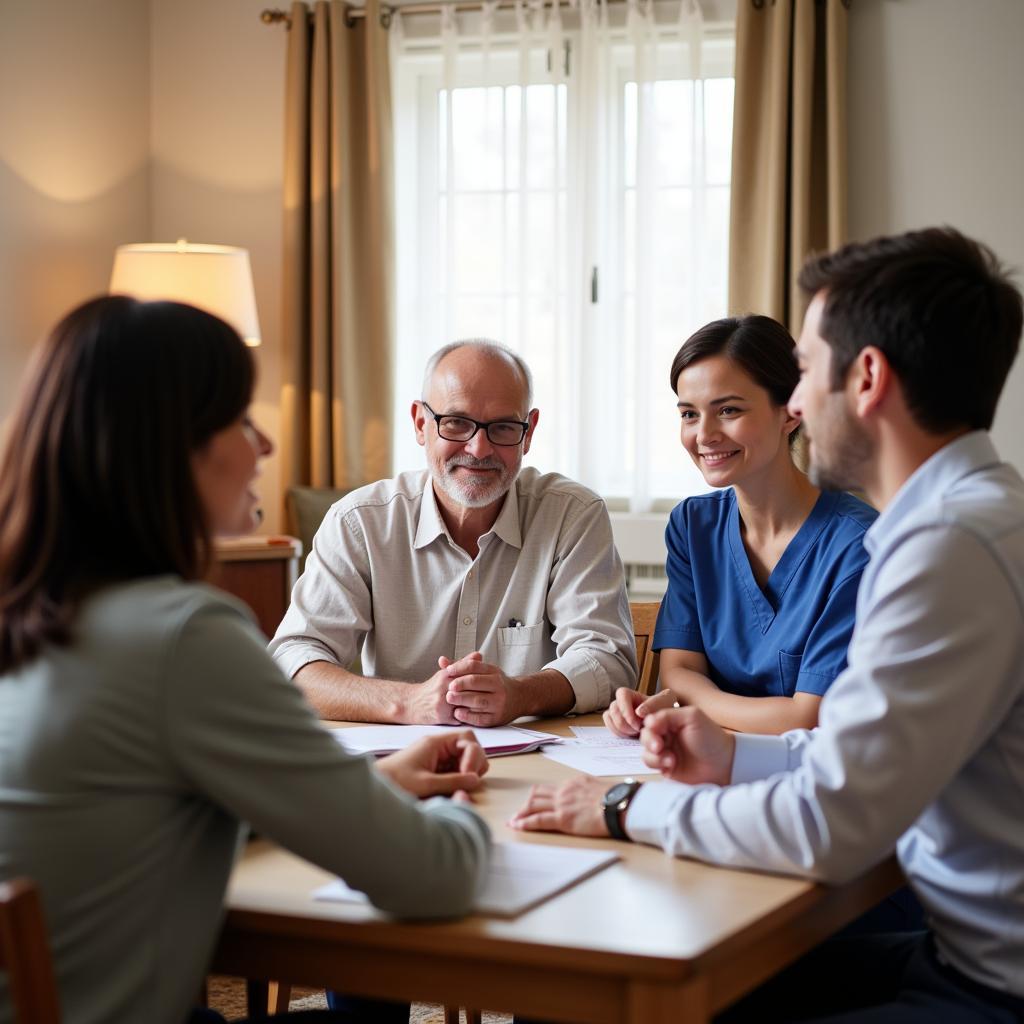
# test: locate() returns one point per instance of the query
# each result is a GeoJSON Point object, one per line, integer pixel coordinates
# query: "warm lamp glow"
{"type": "Point", "coordinates": [216, 278]}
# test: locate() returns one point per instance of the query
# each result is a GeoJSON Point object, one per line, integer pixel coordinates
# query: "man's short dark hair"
{"type": "Point", "coordinates": [939, 305]}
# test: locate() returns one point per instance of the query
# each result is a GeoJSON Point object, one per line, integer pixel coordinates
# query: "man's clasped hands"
{"type": "Point", "coordinates": [469, 691]}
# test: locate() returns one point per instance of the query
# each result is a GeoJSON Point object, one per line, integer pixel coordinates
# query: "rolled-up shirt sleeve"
{"type": "Point", "coordinates": [331, 609]}
{"type": "Point", "coordinates": [588, 610]}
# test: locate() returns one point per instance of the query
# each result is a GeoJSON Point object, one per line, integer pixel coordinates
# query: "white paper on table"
{"type": "Point", "coordinates": [605, 759]}
{"type": "Point", "coordinates": [520, 876]}
{"type": "Point", "coordinates": [599, 736]}
{"type": "Point", "coordinates": [386, 739]}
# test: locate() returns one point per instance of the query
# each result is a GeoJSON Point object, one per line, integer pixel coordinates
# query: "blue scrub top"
{"type": "Point", "coordinates": [791, 636]}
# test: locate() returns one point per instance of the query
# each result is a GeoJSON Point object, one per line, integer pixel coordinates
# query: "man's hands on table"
{"type": "Point", "coordinates": [471, 691]}
{"type": "Point", "coordinates": [448, 765]}
{"type": "Point", "coordinates": [574, 807]}
{"type": "Point", "coordinates": [683, 744]}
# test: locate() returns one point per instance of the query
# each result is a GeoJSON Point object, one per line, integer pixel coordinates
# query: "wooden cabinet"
{"type": "Point", "coordinates": [261, 571]}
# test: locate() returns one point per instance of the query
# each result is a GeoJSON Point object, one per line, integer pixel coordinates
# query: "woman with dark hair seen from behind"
{"type": "Point", "coordinates": [763, 573]}
{"type": "Point", "coordinates": [141, 719]}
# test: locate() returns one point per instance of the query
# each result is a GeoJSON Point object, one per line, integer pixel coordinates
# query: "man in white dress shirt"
{"type": "Point", "coordinates": [920, 746]}
{"type": "Point", "coordinates": [475, 591]}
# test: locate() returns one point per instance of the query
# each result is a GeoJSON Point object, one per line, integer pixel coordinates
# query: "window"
{"type": "Point", "coordinates": [566, 191]}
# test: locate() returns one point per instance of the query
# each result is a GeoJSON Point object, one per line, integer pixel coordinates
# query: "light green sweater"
{"type": "Point", "coordinates": [127, 762]}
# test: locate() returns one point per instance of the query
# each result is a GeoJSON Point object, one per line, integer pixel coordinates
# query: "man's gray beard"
{"type": "Point", "coordinates": [475, 498]}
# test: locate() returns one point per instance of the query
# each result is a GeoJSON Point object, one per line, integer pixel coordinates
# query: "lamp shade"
{"type": "Point", "coordinates": [216, 278]}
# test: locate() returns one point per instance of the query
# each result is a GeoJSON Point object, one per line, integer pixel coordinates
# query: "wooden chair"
{"type": "Point", "coordinates": [645, 615]}
{"type": "Point", "coordinates": [25, 954]}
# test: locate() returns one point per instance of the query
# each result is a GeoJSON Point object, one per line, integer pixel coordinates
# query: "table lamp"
{"type": "Point", "coordinates": [216, 278]}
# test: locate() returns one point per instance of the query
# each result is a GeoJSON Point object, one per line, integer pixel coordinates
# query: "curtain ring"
{"type": "Point", "coordinates": [350, 21]}
{"type": "Point", "coordinates": [385, 17]}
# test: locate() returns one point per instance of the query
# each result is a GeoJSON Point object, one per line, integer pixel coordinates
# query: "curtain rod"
{"type": "Point", "coordinates": [274, 15]}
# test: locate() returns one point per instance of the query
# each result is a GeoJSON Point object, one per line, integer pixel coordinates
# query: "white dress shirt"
{"type": "Point", "coordinates": [546, 590]}
{"type": "Point", "coordinates": [920, 743]}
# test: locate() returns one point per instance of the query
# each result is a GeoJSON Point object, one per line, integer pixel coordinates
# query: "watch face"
{"type": "Point", "coordinates": [618, 792]}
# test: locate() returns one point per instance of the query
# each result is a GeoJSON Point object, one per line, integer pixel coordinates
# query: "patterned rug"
{"type": "Point", "coordinates": [227, 997]}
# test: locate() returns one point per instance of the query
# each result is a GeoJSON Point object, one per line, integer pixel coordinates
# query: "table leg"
{"type": "Point", "coordinates": [279, 996]}
{"type": "Point", "coordinates": [257, 996]}
{"type": "Point", "coordinates": [687, 1003]}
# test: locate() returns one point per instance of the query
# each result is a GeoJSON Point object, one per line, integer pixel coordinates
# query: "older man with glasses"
{"type": "Point", "coordinates": [475, 591]}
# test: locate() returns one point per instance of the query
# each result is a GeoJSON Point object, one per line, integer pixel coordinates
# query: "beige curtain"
{"type": "Point", "coordinates": [338, 249]}
{"type": "Point", "coordinates": [789, 149]}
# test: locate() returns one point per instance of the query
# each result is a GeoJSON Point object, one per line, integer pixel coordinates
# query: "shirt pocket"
{"type": "Point", "coordinates": [521, 648]}
{"type": "Point", "coordinates": [789, 673]}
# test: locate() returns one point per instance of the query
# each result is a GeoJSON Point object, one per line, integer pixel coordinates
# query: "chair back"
{"type": "Point", "coordinates": [25, 954]}
{"type": "Point", "coordinates": [645, 614]}
{"type": "Point", "coordinates": [305, 508]}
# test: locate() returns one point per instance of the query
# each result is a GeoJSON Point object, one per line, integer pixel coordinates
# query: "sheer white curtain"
{"type": "Point", "coordinates": [560, 189]}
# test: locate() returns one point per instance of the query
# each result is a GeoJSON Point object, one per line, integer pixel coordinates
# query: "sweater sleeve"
{"type": "Point", "coordinates": [242, 735]}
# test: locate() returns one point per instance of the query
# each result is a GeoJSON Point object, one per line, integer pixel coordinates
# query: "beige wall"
{"type": "Point", "coordinates": [937, 134]}
{"type": "Point", "coordinates": [74, 151]}
{"type": "Point", "coordinates": [217, 157]}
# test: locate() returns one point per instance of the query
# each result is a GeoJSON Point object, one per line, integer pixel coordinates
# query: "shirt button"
{"type": "Point", "coordinates": [467, 620]}
{"type": "Point", "coordinates": [469, 575]}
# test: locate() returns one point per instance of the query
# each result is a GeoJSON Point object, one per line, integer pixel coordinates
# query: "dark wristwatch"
{"type": "Point", "coordinates": [616, 801]}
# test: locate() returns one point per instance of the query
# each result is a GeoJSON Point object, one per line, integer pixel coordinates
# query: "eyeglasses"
{"type": "Point", "coordinates": [505, 433]}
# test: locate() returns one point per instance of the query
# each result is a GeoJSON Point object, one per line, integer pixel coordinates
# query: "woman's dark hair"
{"type": "Point", "coordinates": [759, 345]}
{"type": "Point", "coordinates": [96, 481]}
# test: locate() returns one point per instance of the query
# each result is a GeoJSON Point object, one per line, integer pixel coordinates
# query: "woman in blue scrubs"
{"type": "Point", "coordinates": [763, 573]}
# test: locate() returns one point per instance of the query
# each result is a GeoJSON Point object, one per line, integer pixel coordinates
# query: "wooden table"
{"type": "Point", "coordinates": [650, 939]}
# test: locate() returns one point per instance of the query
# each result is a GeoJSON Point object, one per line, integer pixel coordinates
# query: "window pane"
{"type": "Point", "coordinates": [477, 316]}
{"type": "Point", "coordinates": [478, 242]}
{"type": "Point", "coordinates": [673, 149]}
{"type": "Point", "coordinates": [673, 237]}
{"type": "Point", "coordinates": [477, 138]}
{"type": "Point", "coordinates": [542, 144]}
{"type": "Point", "coordinates": [718, 97]}
{"type": "Point", "coordinates": [629, 115]}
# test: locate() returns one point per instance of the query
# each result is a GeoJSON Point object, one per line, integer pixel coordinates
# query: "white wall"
{"type": "Point", "coordinates": [937, 135]}
{"type": "Point", "coordinates": [74, 151]}
{"type": "Point", "coordinates": [217, 158]}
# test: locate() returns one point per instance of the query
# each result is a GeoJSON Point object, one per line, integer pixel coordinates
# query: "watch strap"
{"type": "Point", "coordinates": [614, 810]}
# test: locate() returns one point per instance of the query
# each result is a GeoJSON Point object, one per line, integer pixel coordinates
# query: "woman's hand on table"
{"type": "Point", "coordinates": [686, 746]}
{"type": "Point", "coordinates": [625, 716]}
{"type": "Point", "coordinates": [438, 765]}
{"type": "Point", "coordinates": [575, 807]}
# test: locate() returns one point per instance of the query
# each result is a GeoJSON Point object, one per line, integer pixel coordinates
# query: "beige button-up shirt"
{"type": "Point", "coordinates": [546, 590]}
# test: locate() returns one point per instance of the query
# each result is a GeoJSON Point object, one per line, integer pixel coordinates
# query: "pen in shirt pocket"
{"type": "Point", "coordinates": [515, 624]}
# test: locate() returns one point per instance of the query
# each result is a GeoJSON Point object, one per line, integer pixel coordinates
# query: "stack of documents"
{"type": "Point", "coordinates": [520, 876]}
{"type": "Point", "coordinates": [386, 739]}
{"type": "Point", "coordinates": [598, 751]}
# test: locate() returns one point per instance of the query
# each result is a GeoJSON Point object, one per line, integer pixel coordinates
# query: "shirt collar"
{"type": "Point", "coordinates": [431, 524]}
{"type": "Point", "coordinates": [506, 526]}
{"type": "Point", "coordinates": [932, 479]}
